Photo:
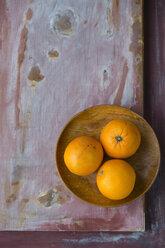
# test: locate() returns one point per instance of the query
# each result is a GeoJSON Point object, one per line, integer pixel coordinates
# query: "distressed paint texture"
{"type": "Point", "coordinates": [58, 58]}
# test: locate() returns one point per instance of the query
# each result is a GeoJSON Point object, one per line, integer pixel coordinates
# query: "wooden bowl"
{"type": "Point", "coordinates": [90, 123]}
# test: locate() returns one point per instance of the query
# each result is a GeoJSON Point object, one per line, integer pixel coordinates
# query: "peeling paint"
{"type": "Point", "coordinates": [64, 22]}
{"type": "Point", "coordinates": [53, 54]}
{"type": "Point", "coordinates": [47, 199]}
{"type": "Point", "coordinates": [122, 84]}
{"type": "Point", "coordinates": [29, 14]}
{"type": "Point", "coordinates": [21, 56]}
{"type": "Point", "coordinates": [113, 17]}
{"type": "Point", "coordinates": [13, 194]}
{"type": "Point", "coordinates": [70, 221]}
{"type": "Point", "coordinates": [57, 195]}
{"type": "Point", "coordinates": [35, 74]}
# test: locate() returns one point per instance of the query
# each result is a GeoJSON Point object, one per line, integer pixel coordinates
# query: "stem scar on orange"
{"type": "Point", "coordinates": [83, 155]}
{"type": "Point", "coordinates": [120, 138]}
{"type": "Point", "coordinates": [116, 179]}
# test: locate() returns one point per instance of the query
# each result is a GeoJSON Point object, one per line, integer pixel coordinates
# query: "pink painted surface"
{"type": "Point", "coordinates": [58, 58]}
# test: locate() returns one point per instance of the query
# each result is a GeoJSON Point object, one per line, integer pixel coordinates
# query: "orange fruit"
{"type": "Point", "coordinates": [83, 155]}
{"type": "Point", "coordinates": [116, 179]}
{"type": "Point", "coordinates": [120, 138]}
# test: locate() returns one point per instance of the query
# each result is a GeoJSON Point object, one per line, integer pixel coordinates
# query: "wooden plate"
{"type": "Point", "coordinates": [90, 122]}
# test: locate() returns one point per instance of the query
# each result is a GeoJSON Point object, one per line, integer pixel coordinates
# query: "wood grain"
{"type": "Point", "coordinates": [58, 58]}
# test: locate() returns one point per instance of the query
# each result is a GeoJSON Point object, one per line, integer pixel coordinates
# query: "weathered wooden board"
{"type": "Point", "coordinates": [58, 58]}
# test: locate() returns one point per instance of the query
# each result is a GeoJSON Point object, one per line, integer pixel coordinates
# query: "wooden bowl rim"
{"type": "Point", "coordinates": [120, 204]}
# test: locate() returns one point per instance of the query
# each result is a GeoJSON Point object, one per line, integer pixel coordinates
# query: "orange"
{"type": "Point", "coordinates": [116, 179]}
{"type": "Point", "coordinates": [120, 138]}
{"type": "Point", "coordinates": [83, 155]}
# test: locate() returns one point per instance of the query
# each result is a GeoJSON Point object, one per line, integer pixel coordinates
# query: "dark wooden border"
{"type": "Point", "coordinates": [154, 112]}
